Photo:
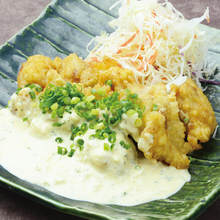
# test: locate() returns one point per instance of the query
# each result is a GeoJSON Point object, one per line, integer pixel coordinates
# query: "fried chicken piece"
{"type": "Point", "coordinates": [99, 72]}
{"type": "Point", "coordinates": [163, 135]}
{"type": "Point", "coordinates": [196, 111]}
{"type": "Point", "coordinates": [34, 70]}
{"type": "Point", "coordinates": [71, 68]}
{"type": "Point", "coordinates": [42, 70]}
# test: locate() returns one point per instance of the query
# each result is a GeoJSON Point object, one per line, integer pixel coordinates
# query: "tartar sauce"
{"type": "Point", "coordinates": [118, 177]}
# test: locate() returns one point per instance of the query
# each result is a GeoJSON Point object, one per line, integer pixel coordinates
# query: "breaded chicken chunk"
{"type": "Point", "coordinates": [162, 137]}
{"type": "Point", "coordinates": [196, 111]}
{"type": "Point", "coordinates": [42, 70]}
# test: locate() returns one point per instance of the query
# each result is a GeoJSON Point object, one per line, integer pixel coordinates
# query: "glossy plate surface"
{"type": "Point", "coordinates": [65, 27]}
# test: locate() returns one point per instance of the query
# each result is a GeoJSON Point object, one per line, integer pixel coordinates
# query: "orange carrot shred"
{"type": "Point", "coordinates": [153, 58]}
{"type": "Point", "coordinates": [95, 59]}
{"type": "Point", "coordinates": [154, 14]}
{"type": "Point", "coordinates": [149, 38]}
{"type": "Point", "coordinates": [119, 51]}
{"type": "Point", "coordinates": [129, 40]}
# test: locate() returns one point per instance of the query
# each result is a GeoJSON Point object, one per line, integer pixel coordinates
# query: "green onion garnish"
{"type": "Point", "coordinates": [32, 95]}
{"type": "Point", "coordinates": [109, 83]}
{"type": "Point", "coordinates": [186, 120]}
{"type": "Point", "coordinates": [106, 147]}
{"type": "Point", "coordinates": [124, 145]}
{"type": "Point", "coordinates": [25, 119]}
{"type": "Point", "coordinates": [18, 90]}
{"type": "Point", "coordinates": [61, 150]}
{"type": "Point", "coordinates": [155, 107]}
{"type": "Point", "coordinates": [59, 140]}
{"type": "Point", "coordinates": [138, 122]}
{"type": "Point", "coordinates": [71, 152]}
{"type": "Point", "coordinates": [58, 124]}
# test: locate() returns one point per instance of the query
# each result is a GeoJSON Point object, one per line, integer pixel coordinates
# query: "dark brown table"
{"type": "Point", "coordinates": [14, 15]}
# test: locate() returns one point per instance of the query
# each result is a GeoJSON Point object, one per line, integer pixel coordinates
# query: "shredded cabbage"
{"type": "Point", "coordinates": [155, 41]}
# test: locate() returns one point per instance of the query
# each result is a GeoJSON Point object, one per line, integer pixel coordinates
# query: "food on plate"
{"type": "Point", "coordinates": [169, 117]}
{"type": "Point", "coordinates": [197, 111]}
{"type": "Point", "coordinates": [119, 122]}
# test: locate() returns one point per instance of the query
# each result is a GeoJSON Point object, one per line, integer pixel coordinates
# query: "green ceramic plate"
{"type": "Point", "coordinates": [65, 27]}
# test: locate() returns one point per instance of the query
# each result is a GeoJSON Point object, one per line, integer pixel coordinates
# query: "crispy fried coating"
{"type": "Point", "coordinates": [99, 72]}
{"type": "Point", "coordinates": [42, 70]}
{"type": "Point", "coordinates": [174, 122]}
{"type": "Point", "coordinates": [196, 111]}
{"type": "Point", "coordinates": [34, 70]}
{"type": "Point", "coordinates": [163, 135]}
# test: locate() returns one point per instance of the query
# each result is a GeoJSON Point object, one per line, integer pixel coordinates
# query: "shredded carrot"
{"type": "Point", "coordinates": [133, 63]}
{"type": "Point", "coordinates": [130, 39]}
{"type": "Point", "coordinates": [94, 59]}
{"type": "Point", "coordinates": [141, 68]}
{"type": "Point", "coordinates": [154, 14]}
{"type": "Point", "coordinates": [150, 39]}
{"type": "Point", "coordinates": [152, 58]}
{"type": "Point", "coordinates": [208, 19]}
{"type": "Point", "coordinates": [119, 51]}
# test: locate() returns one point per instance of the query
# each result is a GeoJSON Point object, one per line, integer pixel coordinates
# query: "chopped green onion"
{"type": "Point", "coordinates": [64, 93]}
{"type": "Point", "coordinates": [59, 140]}
{"type": "Point", "coordinates": [93, 91]}
{"type": "Point", "coordinates": [25, 119]}
{"type": "Point", "coordinates": [71, 152]}
{"type": "Point", "coordinates": [18, 90]}
{"type": "Point", "coordinates": [106, 147]}
{"type": "Point", "coordinates": [54, 114]}
{"type": "Point", "coordinates": [67, 100]}
{"type": "Point", "coordinates": [133, 96]}
{"type": "Point", "coordinates": [61, 150]}
{"type": "Point", "coordinates": [131, 112]}
{"type": "Point", "coordinates": [38, 88]}
{"type": "Point", "coordinates": [32, 95]}
{"type": "Point", "coordinates": [84, 127]}
{"type": "Point", "coordinates": [155, 107]}
{"type": "Point", "coordinates": [95, 112]}
{"type": "Point", "coordinates": [186, 120]}
{"type": "Point", "coordinates": [72, 146]}
{"type": "Point", "coordinates": [101, 91]}
{"type": "Point", "coordinates": [75, 100]}
{"type": "Point", "coordinates": [99, 126]}
{"type": "Point", "coordinates": [105, 135]}
{"type": "Point", "coordinates": [54, 106]}
{"type": "Point", "coordinates": [80, 141]}
{"type": "Point", "coordinates": [112, 138]}
{"type": "Point", "coordinates": [60, 111]}
{"type": "Point", "coordinates": [90, 98]}
{"type": "Point", "coordinates": [109, 83]}
{"type": "Point", "coordinates": [58, 124]}
{"type": "Point", "coordinates": [112, 147]}
{"type": "Point", "coordinates": [124, 145]}
{"type": "Point", "coordinates": [138, 122]}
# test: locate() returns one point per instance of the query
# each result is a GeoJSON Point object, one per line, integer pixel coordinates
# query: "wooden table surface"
{"type": "Point", "coordinates": [14, 15]}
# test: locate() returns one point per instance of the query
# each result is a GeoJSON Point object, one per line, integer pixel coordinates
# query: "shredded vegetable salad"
{"type": "Point", "coordinates": [155, 41]}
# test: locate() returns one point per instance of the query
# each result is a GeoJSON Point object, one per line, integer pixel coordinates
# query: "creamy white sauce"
{"type": "Point", "coordinates": [93, 174]}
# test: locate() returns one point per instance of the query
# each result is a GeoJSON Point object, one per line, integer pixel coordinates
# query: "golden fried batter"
{"type": "Point", "coordinates": [42, 70]}
{"type": "Point", "coordinates": [163, 135]}
{"type": "Point", "coordinates": [169, 118]}
{"type": "Point", "coordinates": [196, 111]}
{"type": "Point", "coordinates": [34, 70]}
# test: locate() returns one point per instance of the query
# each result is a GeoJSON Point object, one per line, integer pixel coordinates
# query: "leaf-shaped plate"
{"type": "Point", "coordinates": [65, 27]}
